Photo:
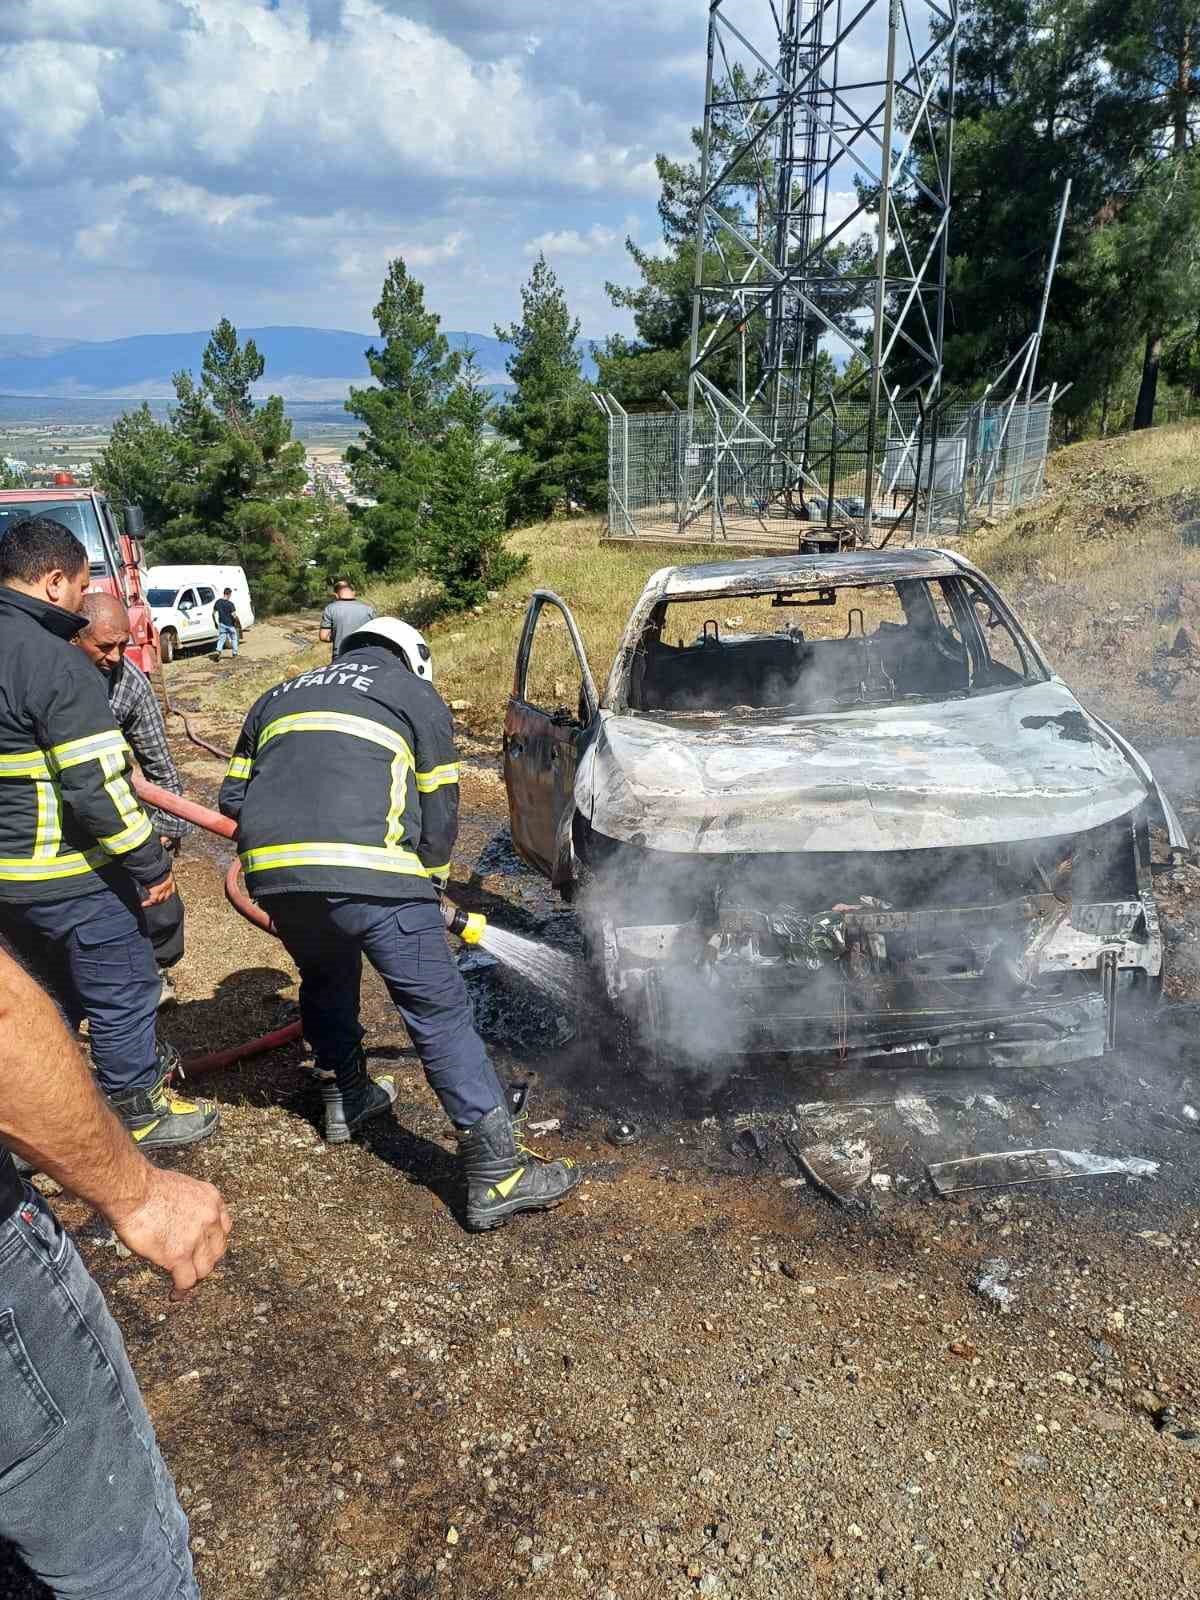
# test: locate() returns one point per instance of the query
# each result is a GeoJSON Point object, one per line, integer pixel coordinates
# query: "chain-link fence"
{"type": "Point", "coordinates": [751, 478]}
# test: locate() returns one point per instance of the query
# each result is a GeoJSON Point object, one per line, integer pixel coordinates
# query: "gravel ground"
{"type": "Point", "coordinates": [699, 1377]}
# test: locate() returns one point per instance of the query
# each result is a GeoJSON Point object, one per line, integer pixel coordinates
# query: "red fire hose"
{"type": "Point", "coordinates": [214, 822]}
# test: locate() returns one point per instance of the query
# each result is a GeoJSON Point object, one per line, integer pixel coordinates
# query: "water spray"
{"type": "Point", "coordinates": [550, 970]}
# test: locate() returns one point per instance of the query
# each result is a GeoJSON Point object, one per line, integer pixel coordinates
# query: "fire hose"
{"type": "Point", "coordinates": [468, 926]}
{"type": "Point", "coordinates": [203, 817]}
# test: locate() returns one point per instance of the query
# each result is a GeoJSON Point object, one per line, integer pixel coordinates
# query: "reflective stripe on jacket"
{"type": "Point", "coordinates": [67, 809]}
{"type": "Point", "coordinates": [345, 781]}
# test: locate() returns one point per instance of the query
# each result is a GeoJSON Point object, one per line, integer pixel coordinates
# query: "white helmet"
{"type": "Point", "coordinates": [402, 636]}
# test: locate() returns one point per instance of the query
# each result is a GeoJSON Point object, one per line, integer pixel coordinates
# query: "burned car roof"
{"type": "Point", "coordinates": [768, 574]}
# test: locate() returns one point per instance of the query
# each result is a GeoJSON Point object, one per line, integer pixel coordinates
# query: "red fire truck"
{"type": "Point", "coordinates": [115, 553]}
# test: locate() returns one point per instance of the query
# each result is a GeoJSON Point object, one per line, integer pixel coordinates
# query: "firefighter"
{"type": "Point", "coordinates": [344, 786]}
{"type": "Point", "coordinates": [137, 713]}
{"type": "Point", "coordinates": [79, 859]}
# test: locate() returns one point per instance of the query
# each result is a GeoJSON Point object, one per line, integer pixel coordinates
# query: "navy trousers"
{"type": "Point", "coordinates": [405, 941]}
{"type": "Point", "coordinates": [93, 955]}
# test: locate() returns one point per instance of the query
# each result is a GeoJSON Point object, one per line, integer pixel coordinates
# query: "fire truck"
{"type": "Point", "coordinates": [114, 551]}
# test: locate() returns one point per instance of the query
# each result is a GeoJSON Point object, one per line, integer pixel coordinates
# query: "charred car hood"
{"type": "Point", "coordinates": [994, 768]}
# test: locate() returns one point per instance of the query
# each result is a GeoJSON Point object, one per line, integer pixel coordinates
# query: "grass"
{"type": "Point", "coordinates": [474, 654]}
{"type": "Point", "coordinates": [1096, 568]}
{"type": "Point", "coordinates": [1103, 543]}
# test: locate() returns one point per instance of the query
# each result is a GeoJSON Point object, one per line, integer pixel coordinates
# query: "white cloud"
{"type": "Point", "coordinates": [49, 96]}
{"type": "Point", "coordinates": [171, 197]}
{"type": "Point", "coordinates": [244, 87]}
{"type": "Point", "coordinates": [570, 242]}
{"type": "Point", "coordinates": [842, 204]}
{"type": "Point", "coordinates": [97, 242]}
{"type": "Point", "coordinates": [227, 156]}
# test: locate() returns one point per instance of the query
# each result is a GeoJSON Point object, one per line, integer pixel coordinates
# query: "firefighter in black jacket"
{"type": "Point", "coordinates": [78, 856]}
{"type": "Point", "coordinates": [344, 786]}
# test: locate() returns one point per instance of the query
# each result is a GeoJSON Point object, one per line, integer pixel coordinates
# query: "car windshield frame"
{"type": "Point", "coordinates": [86, 524]}
{"type": "Point", "coordinates": [958, 591]}
{"type": "Point", "coordinates": [156, 601]}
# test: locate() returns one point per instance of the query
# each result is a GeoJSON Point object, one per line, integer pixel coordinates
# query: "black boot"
{"type": "Point", "coordinates": [158, 1118]}
{"type": "Point", "coordinates": [352, 1097]}
{"type": "Point", "coordinates": [503, 1174]}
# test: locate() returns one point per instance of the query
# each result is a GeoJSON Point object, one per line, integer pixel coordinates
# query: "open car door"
{"type": "Point", "coordinates": [552, 710]}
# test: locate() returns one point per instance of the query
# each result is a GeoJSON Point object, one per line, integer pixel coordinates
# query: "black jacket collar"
{"type": "Point", "coordinates": [65, 624]}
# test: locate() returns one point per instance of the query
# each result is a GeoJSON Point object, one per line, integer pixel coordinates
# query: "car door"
{"type": "Point", "coordinates": [206, 621]}
{"type": "Point", "coordinates": [551, 713]}
{"type": "Point", "coordinates": [190, 624]}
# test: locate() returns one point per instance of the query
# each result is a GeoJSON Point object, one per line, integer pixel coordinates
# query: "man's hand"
{"type": "Point", "coordinates": [158, 892]}
{"type": "Point", "coordinates": [179, 1224]}
{"type": "Point", "coordinates": [52, 1113]}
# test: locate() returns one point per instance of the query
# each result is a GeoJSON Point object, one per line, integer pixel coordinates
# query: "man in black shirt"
{"type": "Point", "coordinates": [226, 617]}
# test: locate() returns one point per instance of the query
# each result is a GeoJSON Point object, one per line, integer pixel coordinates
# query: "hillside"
{"type": "Point", "coordinates": [1098, 570]}
{"type": "Point", "coordinates": [302, 363]}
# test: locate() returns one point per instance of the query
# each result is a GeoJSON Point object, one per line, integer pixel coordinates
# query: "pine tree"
{"type": "Point", "coordinates": [1152, 109]}
{"type": "Point", "coordinates": [1153, 262]}
{"type": "Point", "coordinates": [220, 482]}
{"type": "Point", "coordinates": [403, 418]}
{"type": "Point", "coordinates": [336, 549]}
{"type": "Point", "coordinates": [229, 371]}
{"type": "Point", "coordinates": [551, 418]}
{"type": "Point", "coordinates": [463, 547]}
{"type": "Point", "coordinates": [140, 465]}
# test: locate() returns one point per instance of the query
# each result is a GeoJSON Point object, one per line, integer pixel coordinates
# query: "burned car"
{"type": "Point", "coordinates": [838, 806]}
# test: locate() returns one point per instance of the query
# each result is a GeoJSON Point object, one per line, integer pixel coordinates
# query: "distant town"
{"type": "Point", "coordinates": [40, 452]}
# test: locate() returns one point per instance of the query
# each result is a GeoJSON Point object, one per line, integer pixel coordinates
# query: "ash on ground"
{"type": "Point", "coordinates": [510, 1012]}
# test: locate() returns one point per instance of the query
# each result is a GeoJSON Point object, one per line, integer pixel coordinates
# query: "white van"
{"type": "Point", "coordinates": [181, 602]}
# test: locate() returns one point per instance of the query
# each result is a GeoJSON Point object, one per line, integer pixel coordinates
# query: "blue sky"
{"type": "Point", "coordinates": [171, 161]}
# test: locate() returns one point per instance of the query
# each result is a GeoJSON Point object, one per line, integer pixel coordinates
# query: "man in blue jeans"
{"type": "Point", "coordinates": [226, 617]}
{"type": "Point", "coordinates": [84, 1493]}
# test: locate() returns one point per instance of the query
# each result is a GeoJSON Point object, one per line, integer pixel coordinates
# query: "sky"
{"type": "Point", "coordinates": [171, 161]}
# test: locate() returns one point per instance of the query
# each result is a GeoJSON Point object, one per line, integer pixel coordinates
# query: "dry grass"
{"type": "Point", "coordinates": [475, 652]}
{"type": "Point", "coordinates": [1106, 511]}
{"type": "Point", "coordinates": [1095, 565]}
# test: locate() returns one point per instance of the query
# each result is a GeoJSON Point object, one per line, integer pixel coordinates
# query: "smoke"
{"type": "Point", "coordinates": [848, 956]}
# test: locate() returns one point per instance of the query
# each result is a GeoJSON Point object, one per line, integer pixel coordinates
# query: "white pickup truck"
{"type": "Point", "coordinates": [181, 600]}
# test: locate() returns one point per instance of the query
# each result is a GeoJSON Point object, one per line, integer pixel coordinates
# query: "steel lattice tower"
{"type": "Point", "coordinates": [826, 123]}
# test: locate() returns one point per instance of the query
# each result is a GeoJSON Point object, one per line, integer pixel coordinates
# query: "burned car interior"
{"type": "Point", "coordinates": [836, 807]}
{"type": "Point", "coordinates": [837, 647]}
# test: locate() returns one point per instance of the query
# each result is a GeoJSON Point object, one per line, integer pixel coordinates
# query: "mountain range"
{"type": "Point", "coordinates": [301, 363]}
